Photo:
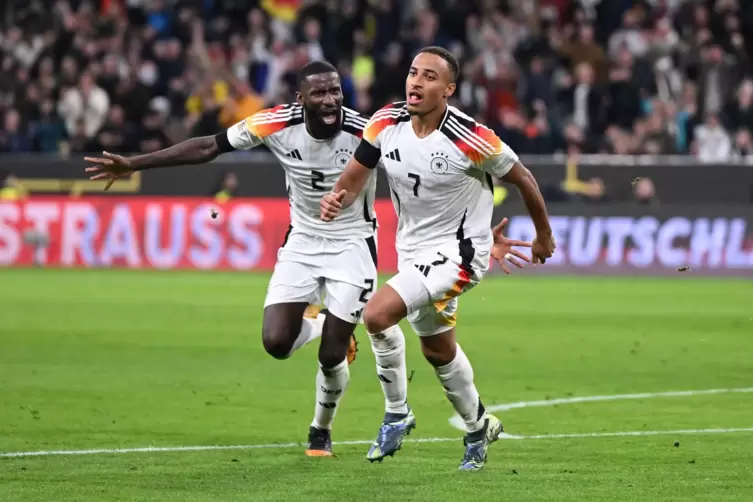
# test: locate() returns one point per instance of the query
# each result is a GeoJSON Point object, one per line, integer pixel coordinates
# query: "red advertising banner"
{"type": "Point", "coordinates": [163, 233]}
{"type": "Point", "coordinates": [180, 233]}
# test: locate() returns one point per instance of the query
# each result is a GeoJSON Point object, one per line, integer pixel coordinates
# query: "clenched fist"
{"type": "Point", "coordinates": [331, 205]}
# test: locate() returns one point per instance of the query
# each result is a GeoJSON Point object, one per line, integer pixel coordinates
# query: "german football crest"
{"type": "Point", "coordinates": [342, 156]}
{"type": "Point", "coordinates": [439, 163]}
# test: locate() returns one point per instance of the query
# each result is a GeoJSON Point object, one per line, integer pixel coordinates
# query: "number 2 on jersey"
{"type": "Point", "coordinates": [316, 178]}
{"type": "Point", "coordinates": [365, 292]}
{"type": "Point", "coordinates": [416, 182]}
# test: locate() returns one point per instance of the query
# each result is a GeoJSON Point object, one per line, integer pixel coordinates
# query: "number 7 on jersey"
{"type": "Point", "coordinates": [416, 182]}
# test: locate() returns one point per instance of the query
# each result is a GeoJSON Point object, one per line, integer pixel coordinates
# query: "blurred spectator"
{"type": "Point", "coordinates": [717, 79]}
{"type": "Point", "coordinates": [712, 142]}
{"type": "Point", "coordinates": [583, 99]}
{"type": "Point", "coordinates": [743, 144]}
{"type": "Point", "coordinates": [538, 84]}
{"type": "Point", "coordinates": [738, 113]}
{"type": "Point", "coordinates": [226, 188]}
{"type": "Point", "coordinates": [644, 192]}
{"type": "Point", "coordinates": [242, 102]}
{"type": "Point", "coordinates": [117, 135]}
{"type": "Point", "coordinates": [594, 191]}
{"type": "Point", "coordinates": [584, 51]}
{"type": "Point", "coordinates": [10, 187]}
{"type": "Point", "coordinates": [656, 137]}
{"type": "Point", "coordinates": [578, 76]}
{"type": "Point", "coordinates": [48, 132]}
{"type": "Point", "coordinates": [623, 92]}
{"type": "Point", "coordinates": [88, 103]}
{"type": "Point", "coordinates": [13, 138]}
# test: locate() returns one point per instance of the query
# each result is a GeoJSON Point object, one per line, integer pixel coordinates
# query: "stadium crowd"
{"type": "Point", "coordinates": [575, 76]}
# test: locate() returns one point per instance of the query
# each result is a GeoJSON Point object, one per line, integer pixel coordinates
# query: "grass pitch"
{"type": "Point", "coordinates": [120, 359]}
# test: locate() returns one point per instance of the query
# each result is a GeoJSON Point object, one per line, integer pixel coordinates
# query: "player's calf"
{"type": "Point", "coordinates": [456, 378]}
{"type": "Point", "coordinates": [331, 381]}
{"type": "Point", "coordinates": [399, 421]}
{"type": "Point", "coordinates": [454, 371]}
{"type": "Point", "coordinates": [389, 352]}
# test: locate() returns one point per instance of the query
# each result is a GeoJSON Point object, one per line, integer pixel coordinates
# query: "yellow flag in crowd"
{"type": "Point", "coordinates": [287, 10]}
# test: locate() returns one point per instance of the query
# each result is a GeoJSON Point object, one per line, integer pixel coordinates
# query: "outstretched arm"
{"type": "Point", "coordinates": [199, 150]}
{"type": "Point", "coordinates": [192, 151]}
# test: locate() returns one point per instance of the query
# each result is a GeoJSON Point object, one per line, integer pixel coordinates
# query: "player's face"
{"type": "Point", "coordinates": [428, 85]}
{"type": "Point", "coordinates": [322, 97]}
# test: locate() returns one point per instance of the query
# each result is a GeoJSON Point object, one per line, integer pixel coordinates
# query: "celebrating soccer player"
{"type": "Point", "coordinates": [313, 139]}
{"type": "Point", "coordinates": [439, 163]}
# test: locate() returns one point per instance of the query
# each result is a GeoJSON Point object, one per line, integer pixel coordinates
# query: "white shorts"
{"type": "Point", "coordinates": [312, 269]}
{"type": "Point", "coordinates": [429, 282]}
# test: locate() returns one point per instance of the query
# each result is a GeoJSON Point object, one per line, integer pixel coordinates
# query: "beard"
{"type": "Point", "coordinates": [317, 125]}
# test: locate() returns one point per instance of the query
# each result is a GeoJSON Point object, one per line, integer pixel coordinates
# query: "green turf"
{"type": "Point", "coordinates": [113, 359]}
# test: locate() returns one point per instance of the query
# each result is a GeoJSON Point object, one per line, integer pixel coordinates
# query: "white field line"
{"type": "Point", "coordinates": [160, 449]}
{"type": "Point", "coordinates": [501, 407]}
{"type": "Point", "coordinates": [457, 422]}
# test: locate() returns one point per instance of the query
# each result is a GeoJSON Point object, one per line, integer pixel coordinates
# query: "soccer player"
{"type": "Point", "coordinates": [439, 163]}
{"type": "Point", "coordinates": [313, 139]}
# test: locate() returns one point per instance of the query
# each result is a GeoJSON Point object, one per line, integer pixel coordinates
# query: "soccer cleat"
{"type": "Point", "coordinates": [477, 444]}
{"type": "Point", "coordinates": [390, 437]}
{"type": "Point", "coordinates": [352, 349]}
{"type": "Point", "coordinates": [320, 443]}
{"type": "Point", "coordinates": [312, 311]}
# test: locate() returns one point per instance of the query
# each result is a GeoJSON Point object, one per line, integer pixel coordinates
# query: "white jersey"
{"type": "Point", "coordinates": [312, 166]}
{"type": "Point", "coordinates": [441, 185]}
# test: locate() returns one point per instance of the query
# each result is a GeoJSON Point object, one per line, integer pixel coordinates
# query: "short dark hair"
{"type": "Point", "coordinates": [443, 53]}
{"type": "Point", "coordinates": [314, 68]}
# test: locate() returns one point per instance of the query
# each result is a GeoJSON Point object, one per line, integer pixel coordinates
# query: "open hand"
{"type": "Point", "coordinates": [109, 168]}
{"type": "Point", "coordinates": [503, 252]}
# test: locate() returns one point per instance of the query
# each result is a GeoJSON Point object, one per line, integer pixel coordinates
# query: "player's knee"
{"type": "Point", "coordinates": [276, 346]}
{"type": "Point", "coordinates": [376, 320]}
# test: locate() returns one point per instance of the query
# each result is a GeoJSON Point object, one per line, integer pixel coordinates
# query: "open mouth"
{"type": "Point", "coordinates": [415, 97]}
{"type": "Point", "coordinates": [329, 118]}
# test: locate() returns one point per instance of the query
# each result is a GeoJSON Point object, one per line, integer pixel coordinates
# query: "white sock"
{"type": "Point", "coordinates": [330, 386]}
{"type": "Point", "coordinates": [311, 329]}
{"type": "Point", "coordinates": [389, 350]}
{"type": "Point", "coordinates": [457, 380]}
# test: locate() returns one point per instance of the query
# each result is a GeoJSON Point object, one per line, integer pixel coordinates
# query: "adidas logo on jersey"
{"type": "Point", "coordinates": [295, 154]}
{"type": "Point", "coordinates": [424, 269]}
{"type": "Point", "coordinates": [394, 155]}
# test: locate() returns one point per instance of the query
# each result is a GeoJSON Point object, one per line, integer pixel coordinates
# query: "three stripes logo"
{"type": "Point", "coordinates": [295, 154]}
{"type": "Point", "coordinates": [424, 269]}
{"type": "Point", "coordinates": [394, 155]}
{"type": "Point", "coordinates": [384, 378]}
